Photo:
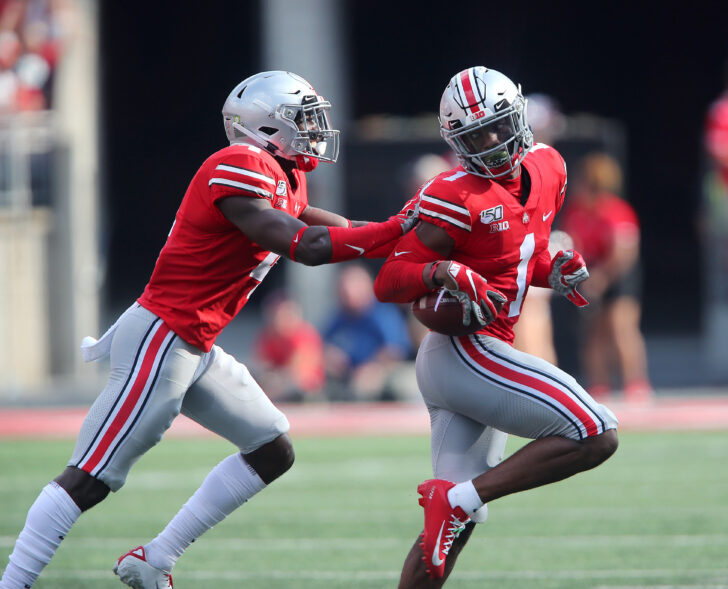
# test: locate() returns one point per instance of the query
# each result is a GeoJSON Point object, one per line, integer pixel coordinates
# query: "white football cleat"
{"type": "Point", "coordinates": [134, 570]}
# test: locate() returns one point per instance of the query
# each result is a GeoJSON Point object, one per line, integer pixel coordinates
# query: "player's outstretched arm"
{"type": "Point", "coordinates": [410, 210]}
{"type": "Point", "coordinates": [407, 272]}
{"type": "Point", "coordinates": [316, 216]}
{"type": "Point", "coordinates": [286, 235]}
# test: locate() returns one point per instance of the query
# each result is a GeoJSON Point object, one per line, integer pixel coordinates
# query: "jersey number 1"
{"type": "Point", "coordinates": [527, 247]}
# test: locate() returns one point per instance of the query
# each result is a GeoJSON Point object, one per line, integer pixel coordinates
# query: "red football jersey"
{"type": "Point", "coordinates": [208, 268]}
{"type": "Point", "coordinates": [494, 234]}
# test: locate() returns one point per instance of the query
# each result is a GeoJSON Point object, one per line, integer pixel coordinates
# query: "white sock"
{"type": "Point", "coordinates": [466, 497]}
{"type": "Point", "coordinates": [230, 484]}
{"type": "Point", "coordinates": [49, 520]}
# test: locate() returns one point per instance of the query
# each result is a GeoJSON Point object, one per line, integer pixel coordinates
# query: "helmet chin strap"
{"type": "Point", "coordinates": [304, 163]}
{"type": "Point", "coordinates": [253, 136]}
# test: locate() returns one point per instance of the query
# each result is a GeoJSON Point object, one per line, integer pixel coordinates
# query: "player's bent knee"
{"type": "Point", "coordinates": [272, 459]}
{"type": "Point", "coordinates": [602, 447]}
{"type": "Point", "coordinates": [288, 455]}
{"type": "Point", "coordinates": [85, 490]}
{"type": "Point", "coordinates": [610, 443]}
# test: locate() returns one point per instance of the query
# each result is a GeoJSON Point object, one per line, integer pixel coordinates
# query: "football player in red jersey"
{"type": "Point", "coordinates": [245, 207]}
{"type": "Point", "coordinates": [483, 236]}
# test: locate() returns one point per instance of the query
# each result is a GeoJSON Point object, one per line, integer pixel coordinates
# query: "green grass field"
{"type": "Point", "coordinates": [655, 515]}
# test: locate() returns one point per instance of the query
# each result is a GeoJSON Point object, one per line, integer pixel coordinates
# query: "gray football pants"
{"type": "Point", "coordinates": [154, 376]}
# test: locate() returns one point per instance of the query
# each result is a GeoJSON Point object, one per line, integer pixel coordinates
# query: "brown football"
{"type": "Point", "coordinates": [444, 316]}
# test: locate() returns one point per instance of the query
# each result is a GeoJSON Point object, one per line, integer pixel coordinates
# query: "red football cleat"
{"type": "Point", "coordinates": [443, 524]}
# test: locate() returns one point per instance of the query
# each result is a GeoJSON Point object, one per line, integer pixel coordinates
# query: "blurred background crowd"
{"type": "Point", "coordinates": [107, 109]}
{"type": "Point", "coordinates": [31, 43]}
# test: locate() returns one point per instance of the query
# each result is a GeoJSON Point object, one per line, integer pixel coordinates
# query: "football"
{"type": "Point", "coordinates": [442, 312]}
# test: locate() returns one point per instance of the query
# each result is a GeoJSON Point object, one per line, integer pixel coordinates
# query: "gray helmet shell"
{"type": "Point", "coordinates": [282, 113]}
{"type": "Point", "coordinates": [483, 120]}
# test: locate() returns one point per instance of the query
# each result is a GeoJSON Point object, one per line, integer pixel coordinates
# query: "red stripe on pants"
{"type": "Point", "coordinates": [131, 400]}
{"type": "Point", "coordinates": [559, 396]}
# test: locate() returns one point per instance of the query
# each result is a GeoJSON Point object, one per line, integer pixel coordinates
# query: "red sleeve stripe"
{"type": "Point", "coordinates": [246, 172]}
{"type": "Point", "coordinates": [241, 186]}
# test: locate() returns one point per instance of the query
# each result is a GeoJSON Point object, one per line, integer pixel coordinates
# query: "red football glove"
{"type": "Point", "coordinates": [477, 297]}
{"type": "Point", "coordinates": [568, 270]}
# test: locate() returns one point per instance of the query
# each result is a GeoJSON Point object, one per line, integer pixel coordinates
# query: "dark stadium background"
{"type": "Point", "coordinates": [167, 68]}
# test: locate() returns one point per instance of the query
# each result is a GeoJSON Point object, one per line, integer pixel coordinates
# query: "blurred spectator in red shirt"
{"type": "Point", "coordinates": [10, 50]}
{"type": "Point", "coordinates": [716, 134]}
{"type": "Point", "coordinates": [289, 353]}
{"type": "Point", "coordinates": [713, 229]}
{"type": "Point", "coordinates": [606, 231]}
{"type": "Point", "coordinates": [715, 207]}
{"type": "Point", "coordinates": [31, 35]}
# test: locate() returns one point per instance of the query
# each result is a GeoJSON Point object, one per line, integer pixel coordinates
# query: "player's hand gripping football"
{"type": "Point", "coordinates": [568, 270]}
{"type": "Point", "coordinates": [477, 297]}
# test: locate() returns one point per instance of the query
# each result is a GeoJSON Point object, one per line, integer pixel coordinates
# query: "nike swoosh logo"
{"type": "Point", "coordinates": [359, 249]}
{"type": "Point", "coordinates": [400, 253]}
{"type": "Point", "coordinates": [469, 272]}
{"type": "Point", "coordinates": [295, 239]}
{"type": "Point", "coordinates": [547, 215]}
{"type": "Point", "coordinates": [436, 560]}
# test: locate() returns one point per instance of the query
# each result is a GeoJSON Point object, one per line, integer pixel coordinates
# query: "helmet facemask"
{"type": "Point", "coordinates": [495, 146]}
{"type": "Point", "coordinates": [313, 136]}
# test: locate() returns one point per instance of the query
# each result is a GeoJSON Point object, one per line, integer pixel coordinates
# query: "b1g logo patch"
{"type": "Point", "coordinates": [282, 188]}
{"type": "Point", "coordinates": [499, 226]}
{"type": "Point", "coordinates": [281, 203]}
{"type": "Point", "coordinates": [491, 215]}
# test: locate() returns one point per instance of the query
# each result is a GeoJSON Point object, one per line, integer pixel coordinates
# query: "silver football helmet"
{"type": "Point", "coordinates": [282, 113]}
{"type": "Point", "coordinates": [483, 119]}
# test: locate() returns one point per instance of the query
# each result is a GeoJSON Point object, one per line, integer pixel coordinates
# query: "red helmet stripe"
{"type": "Point", "coordinates": [467, 84]}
